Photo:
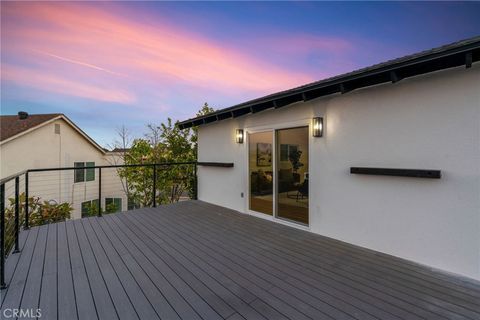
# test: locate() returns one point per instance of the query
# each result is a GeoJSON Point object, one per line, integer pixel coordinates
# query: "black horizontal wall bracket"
{"type": "Point", "coordinates": [216, 164]}
{"type": "Point", "coordinates": [415, 173]}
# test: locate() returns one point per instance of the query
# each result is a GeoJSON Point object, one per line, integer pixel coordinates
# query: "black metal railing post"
{"type": "Point", "coordinates": [99, 192]}
{"type": "Point", "coordinates": [154, 186]}
{"type": "Point", "coordinates": [17, 213]}
{"type": "Point", "coordinates": [26, 226]}
{"type": "Point", "coordinates": [3, 285]}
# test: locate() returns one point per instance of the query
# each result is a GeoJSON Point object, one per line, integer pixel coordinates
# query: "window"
{"type": "Point", "coordinates": [132, 204]}
{"type": "Point", "coordinates": [90, 208]}
{"type": "Point", "coordinates": [79, 173]}
{"type": "Point", "coordinates": [286, 150]}
{"type": "Point", "coordinates": [113, 205]}
{"type": "Point", "coordinates": [87, 173]}
{"type": "Point", "coordinates": [90, 173]}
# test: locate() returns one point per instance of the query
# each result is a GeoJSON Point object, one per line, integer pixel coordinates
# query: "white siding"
{"type": "Point", "coordinates": [43, 148]}
{"type": "Point", "coordinates": [426, 122]}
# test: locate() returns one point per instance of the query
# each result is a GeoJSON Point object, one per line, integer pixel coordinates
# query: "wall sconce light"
{"type": "Point", "coordinates": [317, 127]}
{"type": "Point", "coordinates": [239, 135]}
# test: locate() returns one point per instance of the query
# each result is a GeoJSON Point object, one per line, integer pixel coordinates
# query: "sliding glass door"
{"type": "Point", "coordinates": [278, 173]}
{"type": "Point", "coordinates": [260, 165]}
{"type": "Point", "coordinates": [292, 174]}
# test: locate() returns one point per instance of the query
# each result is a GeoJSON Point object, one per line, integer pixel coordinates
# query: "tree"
{"type": "Point", "coordinates": [121, 144]}
{"type": "Point", "coordinates": [206, 109]}
{"type": "Point", "coordinates": [164, 143]}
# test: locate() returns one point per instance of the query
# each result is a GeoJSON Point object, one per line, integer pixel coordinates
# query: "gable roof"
{"type": "Point", "coordinates": [12, 127]}
{"type": "Point", "coordinates": [459, 53]}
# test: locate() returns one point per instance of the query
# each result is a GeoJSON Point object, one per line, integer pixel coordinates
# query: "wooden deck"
{"type": "Point", "coordinates": [193, 260]}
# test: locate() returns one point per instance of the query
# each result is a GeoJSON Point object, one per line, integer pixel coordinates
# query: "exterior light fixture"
{"type": "Point", "coordinates": [317, 127]}
{"type": "Point", "coordinates": [239, 135]}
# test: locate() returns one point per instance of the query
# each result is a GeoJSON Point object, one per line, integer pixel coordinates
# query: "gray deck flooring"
{"type": "Point", "coordinates": [194, 260]}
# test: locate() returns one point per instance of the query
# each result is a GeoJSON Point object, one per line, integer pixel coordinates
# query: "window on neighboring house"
{"type": "Point", "coordinates": [86, 173]}
{"type": "Point", "coordinates": [113, 205]}
{"type": "Point", "coordinates": [132, 204]}
{"type": "Point", "coordinates": [90, 208]}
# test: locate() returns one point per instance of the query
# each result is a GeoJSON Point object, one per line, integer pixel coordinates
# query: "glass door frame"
{"type": "Point", "coordinates": [273, 130]}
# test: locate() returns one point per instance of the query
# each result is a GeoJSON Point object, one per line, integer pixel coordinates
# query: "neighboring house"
{"type": "Point", "coordinates": [418, 112]}
{"type": "Point", "coordinates": [53, 141]}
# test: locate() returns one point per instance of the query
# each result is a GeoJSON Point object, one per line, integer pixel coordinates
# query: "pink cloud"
{"type": "Point", "coordinates": [51, 83]}
{"type": "Point", "coordinates": [85, 46]}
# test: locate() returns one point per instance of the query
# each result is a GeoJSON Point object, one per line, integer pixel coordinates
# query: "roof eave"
{"type": "Point", "coordinates": [393, 72]}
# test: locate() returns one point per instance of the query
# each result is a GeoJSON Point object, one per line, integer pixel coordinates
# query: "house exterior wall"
{"type": "Point", "coordinates": [43, 148]}
{"type": "Point", "coordinates": [427, 122]}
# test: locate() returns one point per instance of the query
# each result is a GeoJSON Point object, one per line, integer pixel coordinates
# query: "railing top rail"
{"type": "Point", "coordinates": [13, 176]}
{"type": "Point", "coordinates": [212, 164]}
{"type": "Point", "coordinates": [115, 166]}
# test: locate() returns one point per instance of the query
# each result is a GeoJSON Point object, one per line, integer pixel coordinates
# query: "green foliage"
{"type": "Point", "coordinates": [111, 208]}
{"type": "Point", "coordinates": [90, 209]}
{"type": "Point", "coordinates": [294, 158]}
{"type": "Point", "coordinates": [40, 212]}
{"type": "Point", "coordinates": [165, 143]}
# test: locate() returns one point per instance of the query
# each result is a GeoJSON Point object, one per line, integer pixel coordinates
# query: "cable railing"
{"type": "Point", "coordinates": [41, 196]}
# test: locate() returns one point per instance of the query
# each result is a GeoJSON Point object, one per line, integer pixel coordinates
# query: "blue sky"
{"type": "Point", "coordinates": [110, 64]}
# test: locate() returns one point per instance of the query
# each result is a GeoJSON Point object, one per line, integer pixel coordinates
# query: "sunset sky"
{"type": "Point", "coordinates": [109, 64]}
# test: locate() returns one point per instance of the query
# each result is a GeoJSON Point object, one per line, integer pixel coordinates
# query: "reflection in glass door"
{"type": "Point", "coordinates": [260, 166]}
{"type": "Point", "coordinates": [292, 178]}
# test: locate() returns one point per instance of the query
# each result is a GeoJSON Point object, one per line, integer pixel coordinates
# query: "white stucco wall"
{"type": "Point", "coordinates": [426, 122]}
{"type": "Point", "coordinates": [43, 148]}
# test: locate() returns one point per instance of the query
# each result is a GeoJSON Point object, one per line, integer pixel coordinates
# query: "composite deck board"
{"type": "Point", "coordinates": [205, 285]}
{"type": "Point", "coordinates": [67, 302]}
{"type": "Point", "coordinates": [104, 250]}
{"type": "Point", "coordinates": [12, 262]}
{"type": "Point", "coordinates": [407, 297]}
{"type": "Point", "coordinates": [469, 301]}
{"type": "Point", "coordinates": [31, 292]}
{"type": "Point", "coordinates": [48, 293]}
{"type": "Point", "coordinates": [365, 265]}
{"type": "Point", "coordinates": [255, 284]}
{"type": "Point", "coordinates": [313, 302]}
{"type": "Point", "coordinates": [437, 306]}
{"type": "Point", "coordinates": [84, 293]}
{"type": "Point", "coordinates": [174, 298]}
{"type": "Point", "coordinates": [182, 285]}
{"type": "Point", "coordinates": [375, 259]}
{"type": "Point", "coordinates": [163, 309]}
{"type": "Point", "coordinates": [194, 260]}
{"type": "Point", "coordinates": [196, 267]}
{"type": "Point", "coordinates": [14, 292]}
{"type": "Point", "coordinates": [102, 274]}
{"type": "Point", "coordinates": [291, 289]}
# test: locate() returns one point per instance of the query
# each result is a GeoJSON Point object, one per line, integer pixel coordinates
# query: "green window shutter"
{"type": "Point", "coordinates": [79, 173]}
{"type": "Point", "coordinates": [90, 173]}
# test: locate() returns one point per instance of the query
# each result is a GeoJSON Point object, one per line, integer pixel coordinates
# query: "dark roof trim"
{"type": "Point", "coordinates": [464, 52]}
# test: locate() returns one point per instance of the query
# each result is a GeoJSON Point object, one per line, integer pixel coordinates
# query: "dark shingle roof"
{"type": "Point", "coordinates": [463, 52]}
{"type": "Point", "coordinates": [11, 125]}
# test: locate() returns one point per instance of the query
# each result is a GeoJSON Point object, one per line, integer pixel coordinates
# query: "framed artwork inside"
{"type": "Point", "coordinates": [264, 154]}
